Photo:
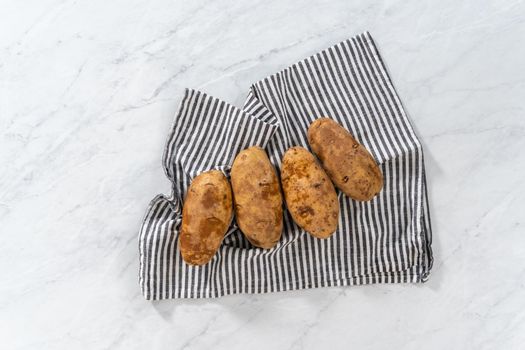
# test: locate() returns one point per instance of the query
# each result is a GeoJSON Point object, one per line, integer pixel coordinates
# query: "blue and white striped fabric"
{"type": "Point", "coordinates": [386, 240]}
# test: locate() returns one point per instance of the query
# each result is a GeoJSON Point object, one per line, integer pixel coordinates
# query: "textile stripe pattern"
{"type": "Point", "coordinates": [386, 240]}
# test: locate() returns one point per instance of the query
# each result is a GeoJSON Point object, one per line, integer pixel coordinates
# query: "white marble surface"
{"type": "Point", "coordinates": [88, 90]}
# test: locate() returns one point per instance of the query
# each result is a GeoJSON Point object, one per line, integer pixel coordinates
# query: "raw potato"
{"type": "Point", "coordinates": [309, 193]}
{"type": "Point", "coordinates": [206, 216]}
{"type": "Point", "coordinates": [257, 196]}
{"type": "Point", "coordinates": [350, 166]}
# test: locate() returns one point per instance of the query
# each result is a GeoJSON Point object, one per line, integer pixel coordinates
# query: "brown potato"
{"type": "Point", "coordinates": [348, 163]}
{"type": "Point", "coordinates": [257, 196]}
{"type": "Point", "coordinates": [206, 216]}
{"type": "Point", "coordinates": [309, 193]}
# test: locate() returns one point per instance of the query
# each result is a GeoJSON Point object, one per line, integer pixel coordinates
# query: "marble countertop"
{"type": "Point", "coordinates": [88, 90]}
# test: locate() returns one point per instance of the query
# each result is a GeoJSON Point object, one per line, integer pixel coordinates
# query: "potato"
{"type": "Point", "coordinates": [350, 166]}
{"type": "Point", "coordinates": [309, 193]}
{"type": "Point", "coordinates": [206, 216]}
{"type": "Point", "coordinates": [257, 197]}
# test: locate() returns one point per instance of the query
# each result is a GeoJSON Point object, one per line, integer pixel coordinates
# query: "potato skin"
{"type": "Point", "coordinates": [206, 216]}
{"type": "Point", "coordinates": [257, 197]}
{"type": "Point", "coordinates": [309, 193]}
{"type": "Point", "coordinates": [348, 163]}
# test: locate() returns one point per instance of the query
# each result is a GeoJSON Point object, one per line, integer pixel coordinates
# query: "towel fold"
{"type": "Point", "coordinates": [386, 240]}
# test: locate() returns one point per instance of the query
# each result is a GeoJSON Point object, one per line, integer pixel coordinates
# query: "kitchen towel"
{"type": "Point", "coordinates": [386, 240]}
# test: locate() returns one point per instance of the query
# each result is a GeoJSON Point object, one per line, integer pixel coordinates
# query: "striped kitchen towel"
{"type": "Point", "coordinates": [386, 240]}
